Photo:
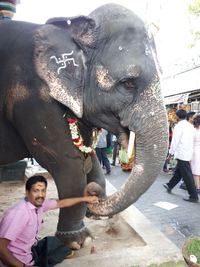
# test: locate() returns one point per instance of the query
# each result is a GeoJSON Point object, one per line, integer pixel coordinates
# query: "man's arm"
{"type": "Point", "coordinates": [68, 202]}
{"type": "Point", "coordinates": [6, 256]}
{"type": "Point", "coordinates": [176, 136]}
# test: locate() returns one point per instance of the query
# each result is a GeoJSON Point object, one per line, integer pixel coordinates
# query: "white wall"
{"type": "Point", "coordinates": [181, 83]}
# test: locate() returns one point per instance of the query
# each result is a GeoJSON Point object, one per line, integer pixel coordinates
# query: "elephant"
{"type": "Point", "coordinates": [60, 82]}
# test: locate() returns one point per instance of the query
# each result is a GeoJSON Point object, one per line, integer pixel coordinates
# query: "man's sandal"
{"type": "Point", "coordinates": [70, 255]}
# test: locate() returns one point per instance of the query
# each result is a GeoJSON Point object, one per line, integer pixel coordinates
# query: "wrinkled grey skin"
{"type": "Point", "coordinates": [106, 78]}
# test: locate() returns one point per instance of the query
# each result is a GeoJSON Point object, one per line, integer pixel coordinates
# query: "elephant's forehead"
{"type": "Point", "coordinates": [128, 61]}
{"type": "Point", "coordinates": [128, 45]}
{"type": "Point", "coordinates": [121, 66]}
{"type": "Point", "coordinates": [125, 56]}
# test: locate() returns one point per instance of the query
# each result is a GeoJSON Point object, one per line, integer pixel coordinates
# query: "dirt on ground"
{"type": "Point", "coordinates": [107, 233]}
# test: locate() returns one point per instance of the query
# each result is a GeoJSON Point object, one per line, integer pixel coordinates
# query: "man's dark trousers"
{"type": "Point", "coordinates": [102, 156]}
{"type": "Point", "coordinates": [183, 170]}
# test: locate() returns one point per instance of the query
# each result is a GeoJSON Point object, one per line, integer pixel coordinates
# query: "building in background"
{"type": "Point", "coordinates": [181, 86]}
{"type": "Point", "coordinates": [179, 54]}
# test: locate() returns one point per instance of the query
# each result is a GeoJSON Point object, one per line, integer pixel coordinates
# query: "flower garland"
{"type": "Point", "coordinates": [78, 140]}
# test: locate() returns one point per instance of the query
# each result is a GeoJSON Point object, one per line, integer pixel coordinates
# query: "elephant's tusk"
{"type": "Point", "coordinates": [131, 144]}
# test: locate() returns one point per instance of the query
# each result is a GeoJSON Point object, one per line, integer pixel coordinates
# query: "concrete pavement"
{"type": "Point", "coordinates": [153, 250]}
{"type": "Point", "coordinates": [177, 224]}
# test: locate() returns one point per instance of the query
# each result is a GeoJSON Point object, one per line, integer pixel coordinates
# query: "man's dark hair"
{"type": "Point", "coordinates": [196, 121]}
{"type": "Point", "coordinates": [33, 180]}
{"type": "Point", "coordinates": [181, 114]}
{"type": "Point", "coordinates": [190, 114]}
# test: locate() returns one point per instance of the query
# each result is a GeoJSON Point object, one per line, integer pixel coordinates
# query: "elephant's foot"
{"type": "Point", "coordinates": [75, 239]}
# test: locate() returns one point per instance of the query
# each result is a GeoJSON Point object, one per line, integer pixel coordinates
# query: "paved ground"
{"type": "Point", "coordinates": [177, 224]}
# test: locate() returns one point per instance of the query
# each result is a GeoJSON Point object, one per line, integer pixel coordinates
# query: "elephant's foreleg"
{"type": "Point", "coordinates": [96, 175]}
{"type": "Point", "coordinates": [95, 183]}
{"type": "Point", "coordinates": [72, 183]}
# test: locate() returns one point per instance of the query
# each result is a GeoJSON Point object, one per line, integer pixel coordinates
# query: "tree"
{"type": "Point", "coordinates": [194, 10]}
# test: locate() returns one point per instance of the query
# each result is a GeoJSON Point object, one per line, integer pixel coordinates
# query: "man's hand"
{"type": "Point", "coordinates": [91, 199]}
{"type": "Point", "coordinates": [169, 158]}
{"type": "Point", "coordinates": [69, 202]}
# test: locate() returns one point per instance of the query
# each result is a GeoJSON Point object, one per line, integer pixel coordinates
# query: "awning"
{"type": "Point", "coordinates": [175, 99]}
{"type": "Point", "coordinates": [181, 83]}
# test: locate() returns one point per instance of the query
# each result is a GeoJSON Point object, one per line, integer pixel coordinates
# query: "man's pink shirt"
{"type": "Point", "coordinates": [21, 225]}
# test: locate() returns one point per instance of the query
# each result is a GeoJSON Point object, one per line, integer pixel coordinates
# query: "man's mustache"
{"type": "Point", "coordinates": [39, 198]}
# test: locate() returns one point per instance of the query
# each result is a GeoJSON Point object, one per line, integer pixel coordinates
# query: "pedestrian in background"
{"type": "Point", "coordinates": [195, 162]}
{"type": "Point", "coordinates": [115, 149]}
{"type": "Point", "coordinates": [182, 149]}
{"type": "Point", "coordinates": [101, 150]}
{"type": "Point", "coordinates": [7, 9]}
{"type": "Point", "coordinates": [189, 118]}
{"type": "Point", "coordinates": [165, 168]}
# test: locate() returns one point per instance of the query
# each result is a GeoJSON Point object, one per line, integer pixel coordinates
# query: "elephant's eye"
{"type": "Point", "coordinates": [130, 83]}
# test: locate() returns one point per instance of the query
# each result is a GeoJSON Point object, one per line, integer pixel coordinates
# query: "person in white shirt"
{"type": "Point", "coordinates": [182, 149]}
{"type": "Point", "coordinates": [195, 162]}
{"type": "Point", "coordinates": [190, 118]}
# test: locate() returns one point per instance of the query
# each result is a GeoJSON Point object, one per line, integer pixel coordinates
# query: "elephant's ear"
{"type": "Point", "coordinates": [59, 62]}
{"type": "Point", "coordinates": [81, 28]}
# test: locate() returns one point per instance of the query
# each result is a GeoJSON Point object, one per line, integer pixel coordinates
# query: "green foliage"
{"type": "Point", "coordinates": [193, 248]}
{"type": "Point", "coordinates": [197, 35]}
{"type": "Point", "coordinates": [194, 8]}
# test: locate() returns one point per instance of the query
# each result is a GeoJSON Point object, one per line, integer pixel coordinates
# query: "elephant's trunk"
{"type": "Point", "coordinates": [151, 149]}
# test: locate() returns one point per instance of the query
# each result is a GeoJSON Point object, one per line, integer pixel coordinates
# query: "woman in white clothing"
{"type": "Point", "coordinates": [195, 162]}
